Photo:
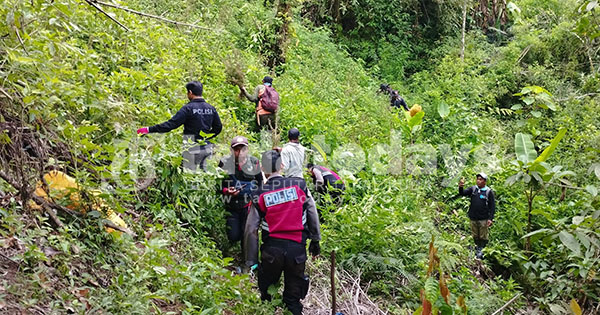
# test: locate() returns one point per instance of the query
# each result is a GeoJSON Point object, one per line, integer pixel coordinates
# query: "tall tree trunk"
{"type": "Point", "coordinates": [494, 16]}
{"type": "Point", "coordinates": [483, 8]}
{"type": "Point", "coordinates": [590, 47]}
{"type": "Point", "coordinates": [528, 241]}
{"type": "Point", "coordinates": [335, 11]}
{"type": "Point", "coordinates": [464, 26]}
{"type": "Point", "coordinates": [529, 209]}
{"type": "Point", "coordinates": [503, 15]}
{"type": "Point", "coordinates": [278, 48]}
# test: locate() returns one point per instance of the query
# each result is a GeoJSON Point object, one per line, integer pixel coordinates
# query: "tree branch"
{"type": "Point", "coordinates": [578, 97]}
{"type": "Point", "coordinates": [41, 201]}
{"type": "Point", "coordinates": [10, 260]}
{"type": "Point", "coordinates": [93, 4]}
{"type": "Point", "coordinates": [9, 180]}
{"type": "Point", "coordinates": [153, 16]}
{"type": "Point", "coordinates": [113, 226]}
{"type": "Point", "coordinates": [6, 94]}
{"type": "Point", "coordinates": [21, 41]}
{"type": "Point", "coordinates": [48, 206]}
{"type": "Point", "coordinates": [507, 304]}
{"type": "Point", "coordinates": [52, 215]}
{"type": "Point", "coordinates": [566, 186]}
{"type": "Point", "coordinates": [523, 53]}
{"type": "Point", "coordinates": [463, 30]}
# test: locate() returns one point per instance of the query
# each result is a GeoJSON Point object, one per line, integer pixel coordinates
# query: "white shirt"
{"type": "Point", "coordinates": [292, 157]}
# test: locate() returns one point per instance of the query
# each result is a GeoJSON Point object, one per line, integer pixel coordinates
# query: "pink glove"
{"type": "Point", "coordinates": [143, 131]}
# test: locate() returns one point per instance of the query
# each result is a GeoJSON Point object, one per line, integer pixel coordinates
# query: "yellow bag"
{"type": "Point", "coordinates": [61, 185]}
{"type": "Point", "coordinates": [415, 109]}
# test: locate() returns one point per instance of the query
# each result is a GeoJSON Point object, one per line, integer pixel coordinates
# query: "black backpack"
{"type": "Point", "coordinates": [477, 191]}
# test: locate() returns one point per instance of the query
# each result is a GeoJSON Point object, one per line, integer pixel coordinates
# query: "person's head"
{"type": "Point", "coordinates": [239, 147]}
{"type": "Point", "coordinates": [268, 80]}
{"type": "Point", "coordinates": [271, 162]}
{"type": "Point", "coordinates": [481, 180]}
{"type": "Point", "coordinates": [309, 169]}
{"type": "Point", "coordinates": [293, 134]}
{"type": "Point", "coordinates": [384, 87]}
{"type": "Point", "coordinates": [194, 89]}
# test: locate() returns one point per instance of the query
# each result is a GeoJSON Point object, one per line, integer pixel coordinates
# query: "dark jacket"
{"type": "Point", "coordinates": [287, 211]}
{"type": "Point", "coordinates": [482, 207]}
{"type": "Point", "coordinates": [195, 116]}
{"type": "Point", "coordinates": [247, 176]}
{"type": "Point", "coordinates": [397, 101]}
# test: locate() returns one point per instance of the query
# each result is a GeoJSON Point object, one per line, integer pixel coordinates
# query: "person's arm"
{"type": "Point", "coordinates": [313, 225]}
{"type": "Point", "coordinates": [252, 97]}
{"type": "Point", "coordinates": [177, 120]}
{"type": "Point", "coordinates": [312, 218]}
{"type": "Point", "coordinates": [259, 175]}
{"type": "Point", "coordinates": [465, 192]}
{"type": "Point", "coordinates": [319, 177]}
{"type": "Point", "coordinates": [461, 190]}
{"type": "Point", "coordinates": [403, 103]}
{"type": "Point", "coordinates": [228, 187]}
{"type": "Point", "coordinates": [491, 205]}
{"type": "Point", "coordinates": [251, 236]}
{"type": "Point", "coordinates": [217, 126]}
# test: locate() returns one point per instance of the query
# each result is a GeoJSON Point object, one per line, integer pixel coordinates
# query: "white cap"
{"type": "Point", "coordinates": [483, 175]}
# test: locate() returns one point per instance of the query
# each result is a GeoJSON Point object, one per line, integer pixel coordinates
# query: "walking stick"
{"type": "Point", "coordinates": [333, 312]}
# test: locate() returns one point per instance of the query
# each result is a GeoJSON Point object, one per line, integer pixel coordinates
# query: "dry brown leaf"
{"type": "Point", "coordinates": [83, 292]}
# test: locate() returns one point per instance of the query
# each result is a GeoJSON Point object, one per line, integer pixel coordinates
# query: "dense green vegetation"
{"type": "Point", "coordinates": [522, 106]}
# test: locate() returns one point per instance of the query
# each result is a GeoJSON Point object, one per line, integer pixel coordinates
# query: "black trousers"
{"type": "Point", "coordinates": [335, 191]}
{"type": "Point", "coordinates": [289, 257]}
{"type": "Point", "coordinates": [236, 222]}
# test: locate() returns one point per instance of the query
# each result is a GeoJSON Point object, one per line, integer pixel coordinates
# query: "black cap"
{"type": "Point", "coordinates": [293, 134]}
{"type": "Point", "coordinates": [268, 79]}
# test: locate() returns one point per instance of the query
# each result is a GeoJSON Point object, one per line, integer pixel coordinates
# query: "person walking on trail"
{"type": "Point", "coordinates": [481, 211]}
{"type": "Point", "coordinates": [327, 181]}
{"type": "Point", "coordinates": [292, 155]}
{"type": "Point", "coordinates": [201, 124]}
{"type": "Point", "coordinates": [267, 103]}
{"type": "Point", "coordinates": [243, 176]}
{"type": "Point", "coordinates": [396, 100]}
{"type": "Point", "coordinates": [289, 217]}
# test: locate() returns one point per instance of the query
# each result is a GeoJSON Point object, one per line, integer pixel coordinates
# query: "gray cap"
{"type": "Point", "coordinates": [239, 140]}
{"type": "Point", "coordinates": [482, 175]}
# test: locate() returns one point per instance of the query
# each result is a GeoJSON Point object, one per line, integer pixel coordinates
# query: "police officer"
{"type": "Point", "coordinates": [287, 215]}
{"type": "Point", "coordinates": [201, 123]}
